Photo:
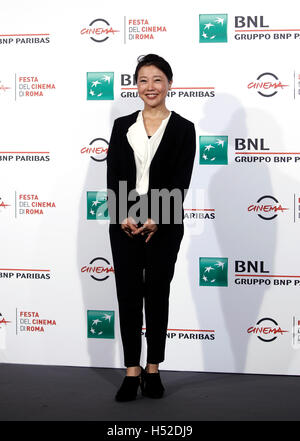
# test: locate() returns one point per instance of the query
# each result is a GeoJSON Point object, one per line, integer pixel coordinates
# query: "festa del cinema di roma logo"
{"type": "Point", "coordinates": [100, 86]}
{"type": "Point", "coordinates": [3, 321]}
{"type": "Point", "coordinates": [97, 150]}
{"type": "Point", "coordinates": [267, 85]}
{"type": "Point", "coordinates": [98, 271]}
{"type": "Point", "coordinates": [3, 204]}
{"type": "Point", "coordinates": [33, 322]}
{"type": "Point", "coordinates": [267, 207]}
{"type": "Point", "coordinates": [99, 30]}
{"type": "Point", "coordinates": [266, 330]}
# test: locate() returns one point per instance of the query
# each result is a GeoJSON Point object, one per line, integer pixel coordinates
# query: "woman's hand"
{"type": "Point", "coordinates": [129, 226]}
{"type": "Point", "coordinates": [149, 228]}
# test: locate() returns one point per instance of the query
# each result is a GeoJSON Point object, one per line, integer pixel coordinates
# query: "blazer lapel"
{"type": "Point", "coordinates": [129, 152]}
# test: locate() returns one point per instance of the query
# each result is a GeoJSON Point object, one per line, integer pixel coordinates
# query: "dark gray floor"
{"type": "Point", "coordinates": [51, 393]}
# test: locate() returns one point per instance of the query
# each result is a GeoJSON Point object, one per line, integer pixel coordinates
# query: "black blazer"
{"type": "Point", "coordinates": [171, 166]}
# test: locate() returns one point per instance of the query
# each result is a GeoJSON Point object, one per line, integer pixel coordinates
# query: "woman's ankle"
{"type": "Point", "coordinates": [133, 371]}
{"type": "Point", "coordinates": [152, 368]}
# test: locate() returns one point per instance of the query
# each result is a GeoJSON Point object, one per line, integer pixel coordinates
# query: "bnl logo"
{"type": "Point", "coordinates": [100, 324]}
{"type": "Point", "coordinates": [213, 28]}
{"type": "Point", "coordinates": [97, 205]}
{"type": "Point", "coordinates": [100, 86]}
{"type": "Point", "coordinates": [213, 150]}
{"type": "Point", "coordinates": [213, 271]}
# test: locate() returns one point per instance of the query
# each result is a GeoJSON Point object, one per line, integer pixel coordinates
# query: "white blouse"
{"type": "Point", "coordinates": [144, 149]}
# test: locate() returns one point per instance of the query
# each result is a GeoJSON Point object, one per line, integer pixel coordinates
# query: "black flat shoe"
{"type": "Point", "coordinates": [152, 386]}
{"type": "Point", "coordinates": [129, 387]}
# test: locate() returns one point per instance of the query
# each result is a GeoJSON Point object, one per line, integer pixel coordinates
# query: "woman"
{"type": "Point", "coordinates": [149, 151]}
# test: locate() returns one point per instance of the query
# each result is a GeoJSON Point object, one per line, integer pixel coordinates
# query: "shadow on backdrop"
{"type": "Point", "coordinates": [230, 189]}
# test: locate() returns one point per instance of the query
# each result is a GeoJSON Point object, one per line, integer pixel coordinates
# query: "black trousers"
{"type": "Point", "coordinates": [144, 271]}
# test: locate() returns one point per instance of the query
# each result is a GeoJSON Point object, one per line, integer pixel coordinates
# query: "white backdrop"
{"type": "Point", "coordinates": [235, 297]}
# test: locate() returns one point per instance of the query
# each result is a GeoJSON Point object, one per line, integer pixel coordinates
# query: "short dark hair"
{"type": "Point", "coordinates": [154, 60]}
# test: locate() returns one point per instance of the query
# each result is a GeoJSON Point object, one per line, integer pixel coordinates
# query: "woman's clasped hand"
{"type": "Point", "coordinates": [131, 228]}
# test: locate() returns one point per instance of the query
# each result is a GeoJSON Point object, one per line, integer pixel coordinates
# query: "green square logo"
{"type": "Point", "coordinates": [100, 85]}
{"type": "Point", "coordinates": [101, 324]}
{"type": "Point", "coordinates": [213, 28]}
{"type": "Point", "coordinates": [213, 150]}
{"type": "Point", "coordinates": [97, 205]}
{"type": "Point", "coordinates": [213, 271]}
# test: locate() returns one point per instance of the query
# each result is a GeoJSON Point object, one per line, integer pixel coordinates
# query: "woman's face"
{"type": "Point", "coordinates": [153, 86]}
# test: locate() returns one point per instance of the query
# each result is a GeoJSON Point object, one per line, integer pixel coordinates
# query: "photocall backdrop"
{"type": "Point", "coordinates": [66, 74]}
